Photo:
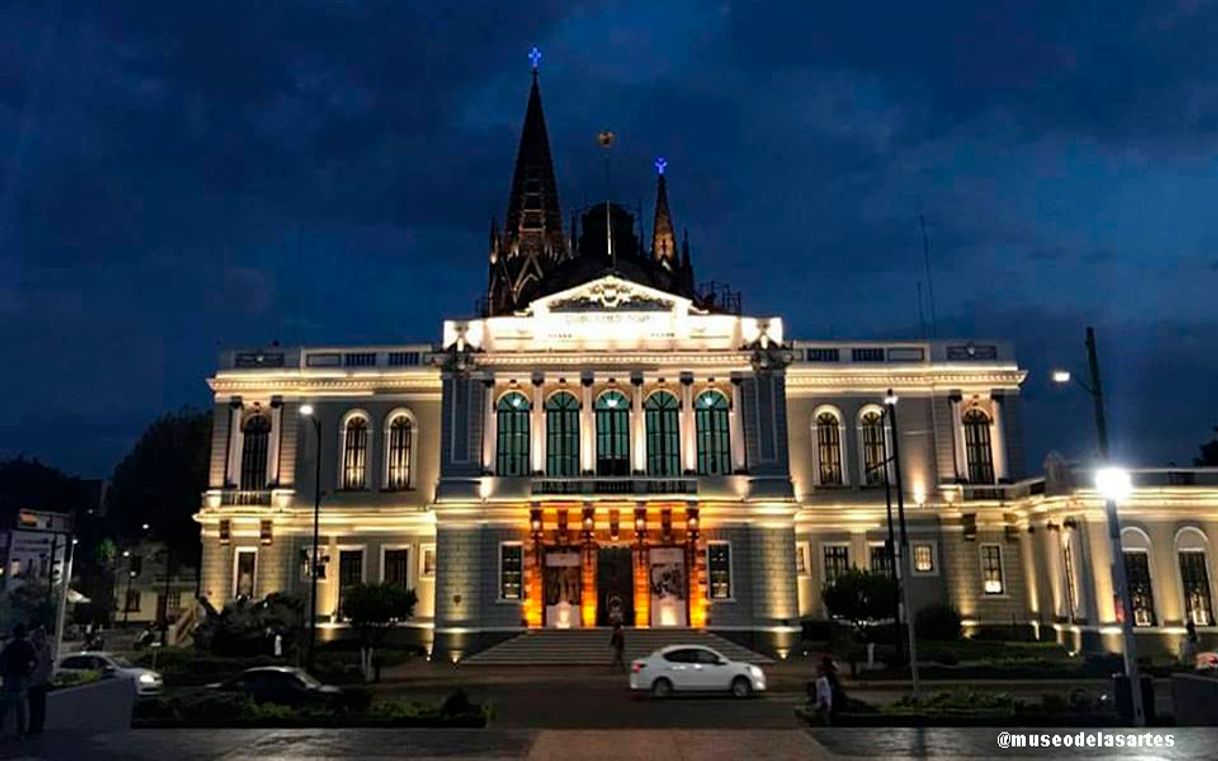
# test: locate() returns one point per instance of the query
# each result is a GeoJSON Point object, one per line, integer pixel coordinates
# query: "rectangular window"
{"type": "Point", "coordinates": [350, 573]}
{"type": "Point", "coordinates": [837, 561]}
{"type": "Point", "coordinates": [824, 354]}
{"type": "Point", "coordinates": [991, 570]}
{"type": "Point", "coordinates": [245, 567]}
{"type": "Point", "coordinates": [924, 558]}
{"type": "Point", "coordinates": [360, 359]}
{"type": "Point", "coordinates": [881, 559]}
{"type": "Point", "coordinates": [403, 358]}
{"type": "Point", "coordinates": [397, 568]}
{"type": "Point", "coordinates": [719, 569]}
{"type": "Point", "coordinates": [801, 558]}
{"type": "Point", "coordinates": [1141, 598]}
{"type": "Point", "coordinates": [427, 566]}
{"type": "Point", "coordinates": [511, 571]}
{"type": "Point", "coordinates": [132, 603]}
{"type": "Point", "coordinates": [867, 355]}
{"type": "Point", "coordinates": [1196, 580]}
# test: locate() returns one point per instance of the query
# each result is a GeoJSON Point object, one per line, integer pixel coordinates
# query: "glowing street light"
{"type": "Point", "coordinates": [1113, 483]}
{"type": "Point", "coordinates": [307, 411]}
{"type": "Point", "coordinates": [1061, 376]}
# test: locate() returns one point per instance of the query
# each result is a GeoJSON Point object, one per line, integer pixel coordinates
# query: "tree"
{"type": "Point", "coordinates": [860, 596]}
{"type": "Point", "coordinates": [372, 610]}
{"type": "Point", "coordinates": [248, 627]}
{"type": "Point", "coordinates": [1209, 453]}
{"type": "Point", "coordinates": [161, 479]}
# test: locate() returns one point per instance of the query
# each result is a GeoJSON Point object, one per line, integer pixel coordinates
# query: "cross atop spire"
{"type": "Point", "coordinates": [663, 237]}
{"type": "Point", "coordinates": [535, 57]}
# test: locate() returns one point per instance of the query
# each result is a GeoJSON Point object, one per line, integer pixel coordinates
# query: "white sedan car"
{"type": "Point", "coordinates": [694, 668]}
{"type": "Point", "coordinates": [147, 682]}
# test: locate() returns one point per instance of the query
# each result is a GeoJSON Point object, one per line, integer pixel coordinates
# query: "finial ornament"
{"type": "Point", "coordinates": [535, 57]}
{"type": "Point", "coordinates": [661, 164]}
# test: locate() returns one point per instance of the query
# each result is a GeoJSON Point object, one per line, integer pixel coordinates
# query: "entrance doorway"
{"type": "Point", "coordinates": [614, 586]}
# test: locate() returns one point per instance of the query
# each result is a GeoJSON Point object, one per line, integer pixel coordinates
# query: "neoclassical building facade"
{"type": "Point", "coordinates": [607, 441]}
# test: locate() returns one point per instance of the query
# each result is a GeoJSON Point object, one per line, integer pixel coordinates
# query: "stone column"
{"type": "Point", "coordinates": [689, 439]}
{"type": "Point", "coordinates": [958, 437]}
{"type": "Point", "coordinates": [232, 469]}
{"type": "Point", "coordinates": [272, 454]}
{"type": "Point", "coordinates": [638, 426]}
{"type": "Point", "coordinates": [490, 427]}
{"type": "Point", "coordinates": [587, 429]}
{"type": "Point", "coordinates": [537, 426]}
{"type": "Point", "coordinates": [998, 442]}
{"type": "Point", "coordinates": [735, 423]}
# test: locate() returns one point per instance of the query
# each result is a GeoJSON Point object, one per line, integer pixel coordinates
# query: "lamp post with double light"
{"type": "Point", "coordinates": [1114, 485]}
{"type": "Point", "coordinates": [307, 411]}
{"type": "Point", "coordinates": [890, 405]}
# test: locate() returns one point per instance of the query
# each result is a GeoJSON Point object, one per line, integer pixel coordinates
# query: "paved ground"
{"type": "Point", "coordinates": [572, 745]}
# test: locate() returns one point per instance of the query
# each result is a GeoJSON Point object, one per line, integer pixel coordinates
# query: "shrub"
{"type": "Point", "coordinates": [938, 623]}
{"type": "Point", "coordinates": [860, 596]}
{"type": "Point", "coordinates": [247, 628]}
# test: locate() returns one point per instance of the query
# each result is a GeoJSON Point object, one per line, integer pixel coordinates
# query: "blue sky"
{"type": "Point", "coordinates": [176, 178]}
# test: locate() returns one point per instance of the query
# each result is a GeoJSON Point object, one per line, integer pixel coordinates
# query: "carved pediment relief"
{"type": "Point", "coordinates": [611, 294]}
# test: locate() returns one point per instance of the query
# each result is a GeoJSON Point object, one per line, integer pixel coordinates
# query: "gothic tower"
{"type": "Point", "coordinates": [532, 241]}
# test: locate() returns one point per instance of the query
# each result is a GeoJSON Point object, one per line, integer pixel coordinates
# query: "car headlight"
{"type": "Point", "coordinates": [148, 679]}
{"type": "Point", "coordinates": [755, 671]}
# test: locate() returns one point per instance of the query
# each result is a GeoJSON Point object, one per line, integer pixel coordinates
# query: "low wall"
{"type": "Point", "coordinates": [102, 706]}
{"type": "Point", "coordinates": [1195, 700]}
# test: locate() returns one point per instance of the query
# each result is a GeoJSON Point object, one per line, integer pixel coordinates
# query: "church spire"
{"type": "Point", "coordinates": [533, 238]}
{"type": "Point", "coordinates": [663, 238]}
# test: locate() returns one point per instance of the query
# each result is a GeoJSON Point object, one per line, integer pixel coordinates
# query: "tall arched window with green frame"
{"type": "Point", "coordinates": [562, 435]}
{"type": "Point", "coordinates": [612, 434]}
{"type": "Point", "coordinates": [714, 437]}
{"type": "Point", "coordinates": [663, 417]}
{"type": "Point", "coordinates": [512, 439]}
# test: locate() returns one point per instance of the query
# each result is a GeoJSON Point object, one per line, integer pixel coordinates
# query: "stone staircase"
{"type": "Point", "coordinates": [569, 647]}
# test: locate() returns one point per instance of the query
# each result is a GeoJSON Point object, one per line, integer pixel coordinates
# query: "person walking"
{"type": "Point", "coordinates": [618, 642]}
{"type": "Point", "coordinates": [828, 696]}
{"type": "Point", "coordinates": [40, 680]}
{"type": "Point", "coordinates": [16, 662]}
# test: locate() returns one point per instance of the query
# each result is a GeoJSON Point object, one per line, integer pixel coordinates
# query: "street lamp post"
{"type": "Point", "coordinates": [308, 411]}
{"type": "Point", "coordinates": [1113, 484]}
{"type": "Point", "coordinates": [892, 548]}
{"type": "Point", "coordinates": [890, 403]}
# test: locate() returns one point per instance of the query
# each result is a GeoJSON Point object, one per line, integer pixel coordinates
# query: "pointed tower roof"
{"type": "Point", "coordinates": [534, 218]}
{"type": "Point", "coordinates": [532, 240]}
{"type": "Point", "coordinates": [663, 237]}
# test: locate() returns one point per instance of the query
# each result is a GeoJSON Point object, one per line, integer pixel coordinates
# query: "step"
{"type": "Point", "coordinates": [590, 646]}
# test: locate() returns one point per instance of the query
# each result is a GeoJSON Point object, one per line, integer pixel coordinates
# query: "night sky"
{"type": "Point", "coordinates": [176, 178]}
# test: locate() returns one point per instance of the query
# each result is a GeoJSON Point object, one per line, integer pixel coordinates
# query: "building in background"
{"type": "Point", "coordinates": [607, 440]}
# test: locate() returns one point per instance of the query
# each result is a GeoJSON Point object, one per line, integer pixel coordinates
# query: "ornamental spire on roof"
{"type": "Point", "coordinates": [532, 233]}
{"type": "Point", "coordinates": [663, 237]}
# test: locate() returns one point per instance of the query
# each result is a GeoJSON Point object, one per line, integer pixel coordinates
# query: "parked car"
{"type": "Point", "coordinates": [694, 668]}
{"type": "Point", "coordinates": [280, 684]}
{"type": "Point", "coordinates": [147, 682]}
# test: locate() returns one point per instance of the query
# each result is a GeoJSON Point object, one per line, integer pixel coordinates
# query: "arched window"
{"type": "Point", "coordinates": [355, 454]}
{"type": "Point", "coordinates": [875, 449]}
{"type": "Point", "coordinates": [612, 434]}
{"type": "Point", "coordinates": [829, 448]}
{"type": "Point", "coordinates": [398, 452]}
{"type": "Point", "coordinates": [562, 435]}
{"type": "Point", "coordinates": [663, 434]}
{"type": "Point", "coordinates": [1193, 557]}
{"type": "Point", "coordinates": [255, 436]}
{"type": "Point", "coordinates": [513, 435]}
{"type": "Point", "coordinates": [714, 441]}
{"type": "Point", "coordinates": [1135, 546]}
{"type": "Point", "coordinates": [977, 450]}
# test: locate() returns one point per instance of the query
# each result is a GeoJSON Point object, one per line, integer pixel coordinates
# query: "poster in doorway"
{"type": "Point", "coordinates": [668, 586]}
{"type": "Point", "coordinates": [562, 588]}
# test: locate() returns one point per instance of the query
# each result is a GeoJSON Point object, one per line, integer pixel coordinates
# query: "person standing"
{"type": "Point", "coordinates": [618, 641]}
{"type": "Point", "coordinates": [16, 663]}
{"type": "Point", "coordinates": [1189, 646]}
{"type": "Point", "coordinates": [40, 680]}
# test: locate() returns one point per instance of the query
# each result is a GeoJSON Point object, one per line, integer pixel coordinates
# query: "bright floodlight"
{"type": "Point", "coordinates": [306, 409]}
{"type": "Point", "coordinates": [145, 527]}
{"type": "Point", "coordinates": [1061, 376]}
{"type": "Point", "coordinates": [1113, 483]}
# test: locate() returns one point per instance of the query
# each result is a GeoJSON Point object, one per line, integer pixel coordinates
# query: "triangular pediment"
{"type": "Point", "coordinates": [610, 294]}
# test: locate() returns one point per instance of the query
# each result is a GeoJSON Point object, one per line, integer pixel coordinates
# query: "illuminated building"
{"type": "Point", "coordinates": [609, 441]}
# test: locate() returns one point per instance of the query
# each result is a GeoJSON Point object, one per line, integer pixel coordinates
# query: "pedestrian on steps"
{"type": "Point", "coordinates": [618, 642]}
